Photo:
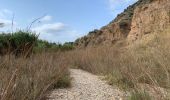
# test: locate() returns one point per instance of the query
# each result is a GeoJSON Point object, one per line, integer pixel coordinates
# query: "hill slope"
{"type": "Point", "coordinates": [139, 19]}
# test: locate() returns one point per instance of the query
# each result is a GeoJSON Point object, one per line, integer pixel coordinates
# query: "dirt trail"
{"type": "Point", "coordinates": [86, 86]}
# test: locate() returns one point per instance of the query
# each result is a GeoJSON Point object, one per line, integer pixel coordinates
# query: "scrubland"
{"type": "Point", "coordinates": [25, 72]}
{"type": "Point", "coordinates": [142, 67]}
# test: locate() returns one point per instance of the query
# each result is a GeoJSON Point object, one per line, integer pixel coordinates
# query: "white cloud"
{"type": "Point", "coordinates": [53, 32]}
{"type": "Point", "coordinates": [5, 23]}
{"type": "Point", "coordinates": [50, 28]}
{"type": "Point", "coordinates": [46, 18]}
{"type": "Point", "coordinates": [6, 18]}
{"type": "Point", "coordinates": [56, 32]}
{"type": "Point", "coordinates": [61, 37]}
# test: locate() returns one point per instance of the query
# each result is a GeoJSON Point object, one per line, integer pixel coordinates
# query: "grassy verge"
{"type": "Point", "coordinates": [31, 78]}
{"type": "Point", "coordinates": [144, 62]}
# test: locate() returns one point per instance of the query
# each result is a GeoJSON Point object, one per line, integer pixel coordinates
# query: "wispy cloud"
{"type": "Point", "coordinates": [56, 32]}
{"type": "Point", "coordinates": [6, 18]}
{"type": "Point", "coordinates": [46, 18]}
{"type": "Point", "coordinates": [50, 28]}
{"type": "Point", "coordinates": [5, 22]}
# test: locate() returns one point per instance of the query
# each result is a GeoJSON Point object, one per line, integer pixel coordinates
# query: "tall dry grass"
{"type": "Point", "coordinates": [32, 78]}
{"type": "Point", "coordinates": [144, 62]}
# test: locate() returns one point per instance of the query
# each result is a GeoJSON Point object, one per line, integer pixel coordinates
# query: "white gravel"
{"type": "Point", "coordinates": [86, 86]}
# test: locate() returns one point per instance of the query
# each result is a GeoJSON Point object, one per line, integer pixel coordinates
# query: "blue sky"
{"type": "Point", "coordinates": [63, 20]}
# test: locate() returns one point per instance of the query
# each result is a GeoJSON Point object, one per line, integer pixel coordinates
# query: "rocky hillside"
{"type": "Point", "coordinates": [150, 18]}
{"type": "Point", "coordinates": [143, 17]}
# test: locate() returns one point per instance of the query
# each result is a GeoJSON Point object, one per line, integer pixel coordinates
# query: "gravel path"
{"type": "Point", "coordinates": [86, 86]}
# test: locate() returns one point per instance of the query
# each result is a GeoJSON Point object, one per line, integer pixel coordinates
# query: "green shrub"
{"type": "Point", "coordinates": [18, 43]}
{"type": "Point", "coordinates": [140, 96]}
{"type": "Point", "coordinates": [43, 45]}
{"type": "Point", "coordinates": [3, 39]}
{"type": "Point", "coordinates": [23, 38]}
{"type": "Point", "coordinates": [64, 81]}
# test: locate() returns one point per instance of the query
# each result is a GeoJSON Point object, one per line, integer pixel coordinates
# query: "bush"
{"type": "Point", "coordinates": [4, 38]}
{"type": "Point", "coordinates": [140, 96]}
{"type": "Point", "coordinates": [18, 43]}
{"type": "Point", "coordinates": [64, 81]}
{"type": "Point", "coordinates": [23, 38]}
{"type": "Point", "coordinates": [43, 45]}
{"type": "Point", "coordinates": [25, 42]}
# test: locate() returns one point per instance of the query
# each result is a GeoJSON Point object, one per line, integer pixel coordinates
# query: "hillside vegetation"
{"type": "Point", "coordinates": [26, 42]}
{"type": "Point", "coordinates": [134, 67]}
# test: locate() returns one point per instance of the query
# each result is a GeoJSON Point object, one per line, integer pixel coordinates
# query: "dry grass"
{"type": "Point", "coordinates": [146, 62]}
{"type": "Point", "coordinates": [30, 79]}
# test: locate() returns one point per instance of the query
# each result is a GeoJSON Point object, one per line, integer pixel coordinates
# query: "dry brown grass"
{"type": "Point", "coordinates": [146, 62]}
{"type": "Point", "coordinates": [30, 79]}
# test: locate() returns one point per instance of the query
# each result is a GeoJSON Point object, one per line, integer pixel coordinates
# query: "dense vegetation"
{"type": "Point", "coordinates": [25, 42]}
{"type": "Point", "coordinates": [25, 71]}
{"type": "Point", "coordinates": [142, 64]}
{"type": "Point", "coordinates": [43, 45]}
{"type": "Point", "coordinates": [17, 43]}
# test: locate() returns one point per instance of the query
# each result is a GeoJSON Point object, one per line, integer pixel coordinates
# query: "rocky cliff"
{"type": "Point", "coordinates": [143, 17]}
{"type": "Point", "coordinates": [150, 18]}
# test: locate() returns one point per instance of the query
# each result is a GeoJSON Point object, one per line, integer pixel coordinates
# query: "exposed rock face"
{"type": "Point", "coordinates": [116, 30]}
{"type": "Point", "coordinates": [141, 18]}
{"type": "Point", "coordinates": [149, 18]}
